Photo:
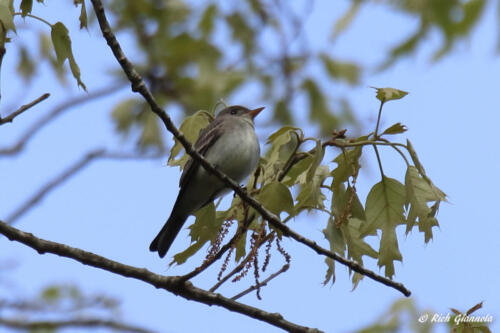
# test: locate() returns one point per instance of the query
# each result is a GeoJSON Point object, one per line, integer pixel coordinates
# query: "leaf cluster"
{"type": "Point", "coordinates": [59, 42]}
{"type": "Point", "coordinates": [291, 180]}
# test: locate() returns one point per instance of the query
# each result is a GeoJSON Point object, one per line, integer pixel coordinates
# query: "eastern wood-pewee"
{"type": "Point", "coordinates": [229, 142]}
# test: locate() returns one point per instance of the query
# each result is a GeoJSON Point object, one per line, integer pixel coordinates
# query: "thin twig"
{"type": "Point", "coordinates": [68, 173]}
{"type": "Point", "coordinates": [173, 284]}
{"type": "Point", "coordinates": [140, 87]}
{"type": "Point", "coordinates": [261, 284]}
{"type": "Point", "coordinates": [23, 108]}
{"type": "Point", "coordinates": [31, 131]}
{"type": "Point", "coordinates": [60, 324]}
{"type": "Point", "coordinates": [239, 267]}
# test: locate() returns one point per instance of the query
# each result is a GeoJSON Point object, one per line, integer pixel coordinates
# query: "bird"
{"type": "Point", "coordinates": [229, 143]}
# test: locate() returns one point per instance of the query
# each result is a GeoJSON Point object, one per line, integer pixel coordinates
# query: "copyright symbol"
{"type": "Point", "coordinates": [423, 318]}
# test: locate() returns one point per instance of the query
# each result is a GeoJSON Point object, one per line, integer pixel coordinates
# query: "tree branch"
{"type": "Point", "coordinates": [68, 173]}
{"type": "Point", "coordinates": [173, 284]}
{"type": "Point", "coordinates": [59, 324]}
{"type": "Point", "coordinates": [23, 108]}
{"type": "Point", "coordinates": [263, 283]}
{"type": "Point", "coordinates": [19, 145]}
{"type": "Point", "coordinates": [139, 86]}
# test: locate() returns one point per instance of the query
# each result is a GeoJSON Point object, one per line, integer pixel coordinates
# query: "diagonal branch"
{"type": "Point", "coordinates": [173, 284]}
{"type": "Point", "coordinates": [19, 145]}
{"type": "Point", "coordinates": [60, 324]}
{"type": "Point", "coordinates": [139, 86]}
{"type": "Point", "coordinates": [263, 283]}
{"type": "Point", "coordinates": [68, 173]}
{"type": "Point", "coordinates": [23, 108]}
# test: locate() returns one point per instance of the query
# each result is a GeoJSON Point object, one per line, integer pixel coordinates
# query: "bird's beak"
{"type": "Point", "coordinates": [253, 113]}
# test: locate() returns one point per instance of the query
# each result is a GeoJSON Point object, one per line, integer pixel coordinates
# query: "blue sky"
{"type": "Point", "coordinates": [115, 208]}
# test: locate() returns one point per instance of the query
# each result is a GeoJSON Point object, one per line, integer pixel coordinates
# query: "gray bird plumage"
{"type": "Point", "coordinates": [229, 142]}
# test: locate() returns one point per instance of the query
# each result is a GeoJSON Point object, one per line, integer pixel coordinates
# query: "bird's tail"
{"type": "Point", "coordinates": [167, 234]}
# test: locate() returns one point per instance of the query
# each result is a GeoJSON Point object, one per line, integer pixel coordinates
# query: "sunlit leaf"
{"type": "Point", "coordinates": [276, 197]}
{"type": "Point", "coordinates": [310, 195]}
{"type": "Point", "coordinates": [62, 47]}
{"type": "Point", "coordinates": [206, 24]}
{"type": "Point", "coordinates": [83, 13]}
{"type": "Point", "coordinates": [346, 71]}
{"type": "Point", "coordinates": [397, 128]}
{"type": "Point", "coordinates": [389, 94]}
{"type": "Point", "coordinates": [6, 18]}
{"type": "Point", "coordinates": [205, 229]}
{"type": "Point", "coordinates": [26, 6]}
{"type": "Point", "coordinates": [26, 66]}
{"type": "Point", "coordinates": [419, 193]}
{"type": "Point", "coordinates": [345, 20]}
{"type": "Point", "coordinates": [384, 211]}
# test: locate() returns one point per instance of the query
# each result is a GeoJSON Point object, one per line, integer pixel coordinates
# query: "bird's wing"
{"type": "Point", "coordinates": [205, 140]}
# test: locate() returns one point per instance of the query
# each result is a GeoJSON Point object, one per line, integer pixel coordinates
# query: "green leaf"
{"type": "Point", "coordinates": [384, 211]}
{"type": "Point", "coordinates": [419, 193]}
{"type": "Point", "coordinates": [345, 21]}
{"type": "Point", "coordinates": [6, 18]}
{"type": "Point", "coordinates": [83, 13]}
{"type": "Point", "coordinates": [190, 127]}
{"type": "Point", "coordinates": [277, 198]}
{"type": "Point", "coordinates": [123, 114]}
{"type": "Point", "coordinates": [414, 157]}
{"type": "Point", "coordinates": [335, 237]}
{"type": "Point", "coordinates": [298, 172]}
{"type": "Point", "coordinates": [384, 204]}
{"type": "Point", "coordinates": [151, 135]}
{"type": "Point", "coordinates": [346, 71]}
{"type": "Point", "coordinates": [347, 164]}
{"type": "Point", "coordinates": [283, 143]}
{"type": "Point", "coordinates": [317, 157]}
{"type": "Point", "coordinates": [277, 136]}
{"type": "Point", "coordinates": [206, 24]}
{"type": "Point", "coordinates": [330, 271]}
{"type": "Point", "coordinates": [310, 195]}
{"type": "Point", "coordinates": [389, 94]}
{"type": "Point", "coordinates": [205, 229]}
{"type": "Point", "coordinates": [339, 204]}
{"type": "Point", "coordinates": [397, 128]}
{"type": "Point", "coordinates": [62, 46]}
{"type": "Point", "coordinates": [26, 6]}
{"type": "Point", "coordinates": [241, 31]}
{"type": "Point", "coordinates": [26, 67]}
{"type": "Point", "coordinates": [51, 294]}
{"type": "Point", "coordinates": [356, 246]}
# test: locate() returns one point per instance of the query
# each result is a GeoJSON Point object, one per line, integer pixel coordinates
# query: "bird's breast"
{"type": "Point", "coordinates": [236, 152]}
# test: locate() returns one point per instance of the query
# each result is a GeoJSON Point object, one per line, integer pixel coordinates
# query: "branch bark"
{"type": "Point", "coordinates": [19, 145]}
{"type": "Point", "coordinates": [59, 324]}
{"type": "Point", "coordinates": [140, 87]}
{"type": "Point", "coordinates": [22, 109]}
{"type": "Point", "coordinates": [173, 284]}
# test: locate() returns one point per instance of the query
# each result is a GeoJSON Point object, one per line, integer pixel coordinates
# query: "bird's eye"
{"type": "Point", "coordinates": [233, 111]}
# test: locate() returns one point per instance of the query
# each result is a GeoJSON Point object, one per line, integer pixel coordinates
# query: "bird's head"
{"type": "Point", "coordinates": [239, 111]}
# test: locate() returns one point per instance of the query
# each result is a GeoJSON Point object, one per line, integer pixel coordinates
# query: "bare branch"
{"type": "Point", "coordinates": [23, 108]}
{"type": "Point", "coordinates": [261, 284]}
{"type": "Point", "coordinates": [68, 173]}
{"type": "Point", "coordinates": [173, 284]}
{"type": "Point", "coordinates": [58, 324]}
{"type": "Point", "coordinates": [19, 145]}
{"type": "Point", "coordinates": [140, 87]}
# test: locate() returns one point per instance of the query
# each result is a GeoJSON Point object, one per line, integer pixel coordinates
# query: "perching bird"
{"type": "Point", "coordinates": [229, 142]}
